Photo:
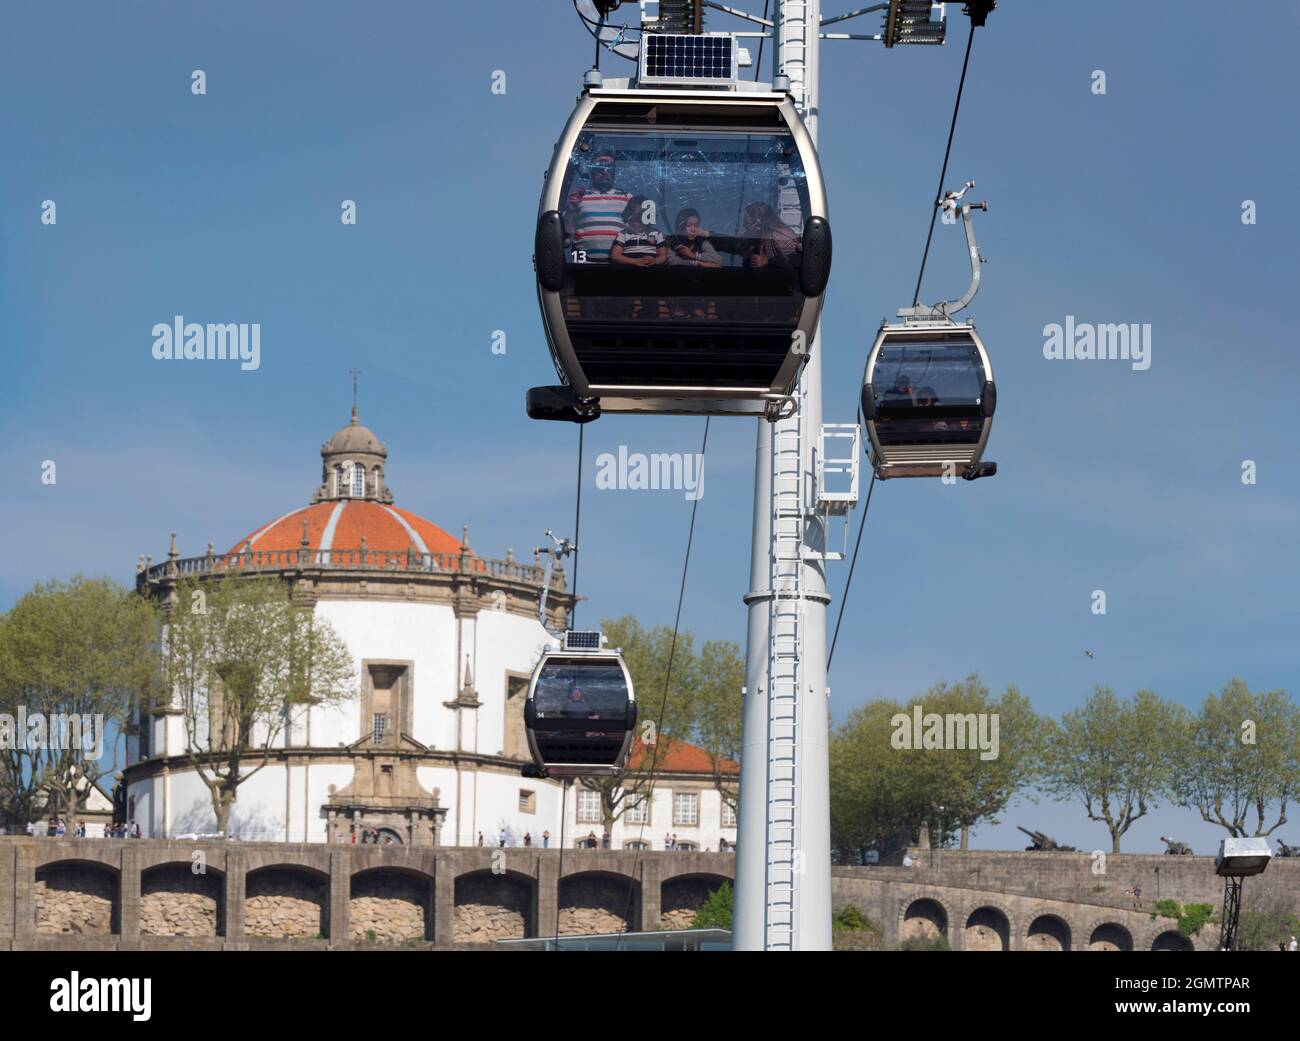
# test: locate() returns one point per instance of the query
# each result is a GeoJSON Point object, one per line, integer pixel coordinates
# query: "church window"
{"type": "Point", "coordinates": [358, 480]}
{"type": "Point", "coordinates": [339, 485]}
{"type": "Point", "coordinates": [527, 801]}
{"type": "Point", "coordinates": [381, 726]}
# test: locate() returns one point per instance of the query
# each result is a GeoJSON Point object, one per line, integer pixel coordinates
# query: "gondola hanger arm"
{"type": "Point", "coordinates": [951, 203]}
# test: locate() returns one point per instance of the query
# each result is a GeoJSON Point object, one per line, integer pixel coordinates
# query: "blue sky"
{"type": "Point", "coordinates": [1124, 207]}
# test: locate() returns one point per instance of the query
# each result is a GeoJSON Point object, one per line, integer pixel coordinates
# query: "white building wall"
{"type": "Point", "coordinates": [423, 634]}
{"type": "Point", "coordinates": [284, 803]}
{"type": "Point", "coordinates": [504, 643]}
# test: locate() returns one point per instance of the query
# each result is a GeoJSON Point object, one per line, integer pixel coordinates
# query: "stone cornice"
{"type": "Point", "coordinates": [465, 583]}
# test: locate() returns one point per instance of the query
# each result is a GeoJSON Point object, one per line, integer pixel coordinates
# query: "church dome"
{"type": "Point", "coordinates": [352, 511]}
{"type": "Point", "coordinates": [342, 525]}
{"type": "Point", "coordinates": [353, 438]}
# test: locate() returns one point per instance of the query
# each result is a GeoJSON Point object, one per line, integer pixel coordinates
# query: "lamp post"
{"type": "Point", "coordinates": [1236, 861]}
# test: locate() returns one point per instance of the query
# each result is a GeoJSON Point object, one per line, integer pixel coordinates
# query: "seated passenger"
{"type": "Point", "coordinates": [777, 244]}
{"type": "Point", "coordinates": [690, 247]}
{"type": "Point", "coordinates": [638, 244]}
{"type": "Point", "coordinates": [901, 393]}
{"type": "Point", "coordinates": [926, 397]}
{"type": "Point", "coordinates": [577, 705]}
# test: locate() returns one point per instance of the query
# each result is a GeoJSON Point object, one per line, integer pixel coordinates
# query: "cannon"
{"type": "Point", "coordinates": [1283, 850]}
{"type": "Point", "coordinates": [1045, 843]}
{"type": "Point", "coordinates": [1175, 848]}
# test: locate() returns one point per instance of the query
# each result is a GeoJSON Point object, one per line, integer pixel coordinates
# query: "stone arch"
{"type": "Point", "coordinates": [108, 855]}
{"type": "Point", "coordinates": [988, 928]}
{"type": "Point", "coordinates": [390, 905]}
{"type": "Point", "coordinates": [174, 901]}
{"type": "Point", "coordinates": [286, 901]}
{"type": "Point", "coordinates": [599, 902]}
{"type": "Point", "coordinates": [1048, 932]}
{"type": "Point", "coordinates": [924, 918]}
{"type": "Point", "coordinates": [493, 907]}
{"type": "Point", "coordinates": [682, 895]}
{"type": "Point", "coordinates": [622, 868]}
{"type": "Point", "coordinates": [1172, 940]}
{"type": "Point", "coordinates": [685, 865]}
{"type": "Point", "coordinates": [1110, 936]}
{"type": "Point", "coordinates": [78, 897]}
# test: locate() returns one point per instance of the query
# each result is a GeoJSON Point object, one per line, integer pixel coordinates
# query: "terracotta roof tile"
{"type": "Point", "coordinates": [682, 757]}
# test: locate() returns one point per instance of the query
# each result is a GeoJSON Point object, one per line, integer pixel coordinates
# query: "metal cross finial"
{"type": "Point", "coordinates": [354, 373]}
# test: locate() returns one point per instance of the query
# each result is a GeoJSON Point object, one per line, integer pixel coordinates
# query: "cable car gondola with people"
{"type": "Point", "coordinates": [581, 709]}
{"type": "Point", "coordinates": [682, 246]}
{"type": "Point", "coordinates": [928, 394]}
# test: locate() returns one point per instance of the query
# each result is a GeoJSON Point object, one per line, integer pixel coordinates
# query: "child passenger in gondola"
{"type": "Point", "coordinates": [638, 245]}
{"type": "Point", "coordinates": [690, 247]}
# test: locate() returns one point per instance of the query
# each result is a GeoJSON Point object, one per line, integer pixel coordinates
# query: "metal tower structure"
{"type": "Point", "coordinates": [783, 871]}
{"type": "Point", "coordinates": [783, 865]}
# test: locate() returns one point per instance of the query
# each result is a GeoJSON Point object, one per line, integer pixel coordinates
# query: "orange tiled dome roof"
{"type": "Point", "coordinates": [341, 524]}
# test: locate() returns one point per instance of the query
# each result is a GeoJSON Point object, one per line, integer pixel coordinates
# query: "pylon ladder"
{"type": "Point", "coordinates": [789, 515]}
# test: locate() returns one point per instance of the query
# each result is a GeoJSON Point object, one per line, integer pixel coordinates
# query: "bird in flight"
{"type": "Point", "coordinates": [1089, 654]}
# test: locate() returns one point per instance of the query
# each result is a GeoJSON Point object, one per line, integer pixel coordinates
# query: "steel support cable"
{"type": "Point", "coordinates": [587, 24]}
{"type": "Point", "coordinates": [848, 582]}
{"type": "Point", "coordinates": [916, 299]}
{"type": "Point", "coordinates": [943, 173]}
{"type": "Point", "coordinates": [668, 675]}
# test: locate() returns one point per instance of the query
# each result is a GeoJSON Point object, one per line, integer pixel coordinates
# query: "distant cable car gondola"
{"type": "Point", "coordinates": [581, 709]}
{"type": "Point", "coordinates": [682, 248]}
{"type": "Point", "coordinates": [928, 394]}
{"type": "Point", "coordinates": [928, 400]}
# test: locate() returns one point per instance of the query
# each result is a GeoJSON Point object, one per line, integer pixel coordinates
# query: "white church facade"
{"type": "Point", "coordinates": [431, 749]}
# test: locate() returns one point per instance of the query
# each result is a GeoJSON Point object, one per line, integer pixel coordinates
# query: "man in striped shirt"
{"type": "Point", "coordinates": [593, 216]}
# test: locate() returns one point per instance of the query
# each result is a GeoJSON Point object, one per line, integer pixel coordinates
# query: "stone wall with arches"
{"type": "Point", "coordinates": [131, 894]}
{"type": "Point", "coordinates": [108, 894]}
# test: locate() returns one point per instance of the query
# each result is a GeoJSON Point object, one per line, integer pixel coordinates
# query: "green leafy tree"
{"type": "Point", "coordinates": [241, 660]}
{"type": "Point", "coordinates": [663, 674]}
{"type": "Point", "coordinates": [1192, 918]}
{"type": "Point", "coordinates": [1114, 756]}
{"type": "Point", "coordinates": [869, 798]}
{"type": "Point", "coordinates": [719, 710]}
{"type": "Point", "coordinates": [1268, 917]}
{"type": "Point", "coordinates": [975, 788]}
{"type": "Point", "coordinates": [716, 911]}
{"type": "Point", "coordinates": [851, 919]}
{"type": "Point", "coordinates": [78, 655]}
{"type": "Point", "coordinates": [879, 788]}
{"type": "Point", "coordinates": [920, 943]}
{"type": "Point", "coordinates": [1240, 755]}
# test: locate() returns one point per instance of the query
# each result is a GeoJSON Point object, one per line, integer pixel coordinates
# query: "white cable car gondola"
{"type": "Point", "coordinates": [928, 394]}
{"type": "Point", "coordinates": [682, 246]}
{"type": "Point", "coordinates": [581, 709]}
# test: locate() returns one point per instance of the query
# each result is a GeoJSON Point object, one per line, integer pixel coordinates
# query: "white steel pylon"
{"type": "Point", "coordinates": [783, 875]}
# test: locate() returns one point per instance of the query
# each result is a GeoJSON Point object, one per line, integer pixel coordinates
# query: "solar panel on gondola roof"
{"type": "Point", "coordinates": [677, 58]}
